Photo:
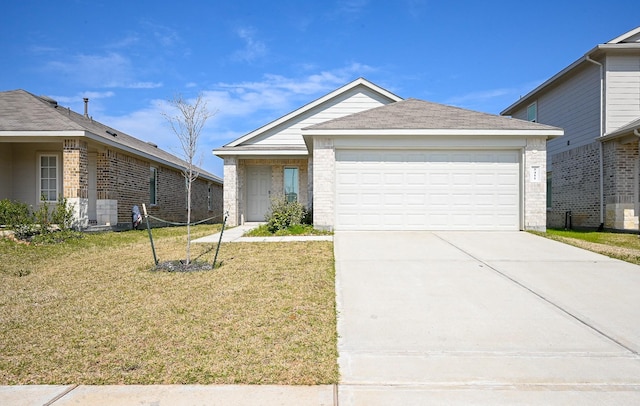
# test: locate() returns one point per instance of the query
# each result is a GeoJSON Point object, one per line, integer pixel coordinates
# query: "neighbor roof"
{"type": "Point", "coordinates": [23, 113]}
{"type": "Point", "coordinates": [420, 115]}
{"type": "Point", "coordinates": [627, 42]}
{"type": "Point", "coordinates": [627, 129]}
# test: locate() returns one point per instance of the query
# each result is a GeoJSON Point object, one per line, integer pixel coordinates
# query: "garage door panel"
{"type": "Point", "coordinates": [427, 190]}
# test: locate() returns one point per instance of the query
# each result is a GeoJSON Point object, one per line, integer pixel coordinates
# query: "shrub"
{"type": "Point", "coordinates": [36, 226]}
{"type": "Point", "coordinates": [14, 213]}
{"type": "Point", "coordinates": [283, 214]}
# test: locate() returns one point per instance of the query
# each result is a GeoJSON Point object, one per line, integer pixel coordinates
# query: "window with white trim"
{"type": "Point", "coordinates": [153, 185]}
{"type": "Point", "coordinates": [48, 177]}
{"type": "Point", "coordinates": [291, 184]}
{"type": "Point", "coordinates": [532, 112]}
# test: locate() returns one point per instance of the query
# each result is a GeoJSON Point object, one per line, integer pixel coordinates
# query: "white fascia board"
{"type": "Point", "coordinates": [446, 132]}
{"type": "Point", "coordinates": [312, 105]}
{"type": "Point", "coordinates": [624, 36]}
{"type": "Point", "coordinates": [259, 153]}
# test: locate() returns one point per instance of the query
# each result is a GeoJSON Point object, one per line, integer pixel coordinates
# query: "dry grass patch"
{"type": "Point", "coordinates": [92, 312]}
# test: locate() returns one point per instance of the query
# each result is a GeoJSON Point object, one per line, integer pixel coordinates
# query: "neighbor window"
{"type": "Point", "coordinates": [549, 189]}
{"type": "Point", "coordinates": [291, 184]}
{"type": "Point", "coordinates": [532, 112]}
{"type": "Point", "coordinates": [153, 186]}
{"type": "Point", "coordinates": [49, 179]}
{"type": "Point", "coordinates": [210, 197]}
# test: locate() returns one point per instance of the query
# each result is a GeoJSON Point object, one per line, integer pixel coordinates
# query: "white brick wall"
{"type": "Point", "coordinates": [230, 190]}
{"type": "Point", "coordinates": [324, 162]}
{"type": "Point", "coordinates": [535, 193]}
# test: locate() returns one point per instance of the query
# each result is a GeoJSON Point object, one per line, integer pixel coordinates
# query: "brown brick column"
{"type": "Point", "coordinates": [75, 164]}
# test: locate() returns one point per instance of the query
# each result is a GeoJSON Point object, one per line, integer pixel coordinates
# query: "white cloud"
{"type": "Point", "coordinates": [253, 48]}
{"type": "Point", "coordinates": [240, 108]}
{"type": "Point", "coordinates": [478, 96]}
{"type": "Point", "coordinates": [352, 6]}
{"type": "Point", "coordinates": [110, 70]}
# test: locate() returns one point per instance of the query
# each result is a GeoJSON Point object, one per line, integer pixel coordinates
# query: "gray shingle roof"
{"type": "Point", "coordinates": [23, 111]}
{"type": "Point", "coordinates": [414, 114]}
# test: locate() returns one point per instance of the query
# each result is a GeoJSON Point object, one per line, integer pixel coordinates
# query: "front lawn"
{"type": "Point", "coordinates": [92, 311]}
{"type": "Point", "coordinates": [615, 245]}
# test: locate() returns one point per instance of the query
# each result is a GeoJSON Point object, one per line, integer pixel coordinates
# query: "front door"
{"type": "Point", "coordinates": [258, 192]}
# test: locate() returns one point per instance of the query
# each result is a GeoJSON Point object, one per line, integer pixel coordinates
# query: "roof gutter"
{"type": "Point", "coordinates": [587, 58]}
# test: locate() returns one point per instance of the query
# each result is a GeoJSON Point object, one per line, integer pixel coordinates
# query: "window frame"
{"type": "Point", "coordinates": [533, 107]}
{"type": "Point", "coordinates": [153, 194]}
{"type": "Point", "coordinates": [58, 178]}
{"type": "Point", "coordinates": [296, 186]}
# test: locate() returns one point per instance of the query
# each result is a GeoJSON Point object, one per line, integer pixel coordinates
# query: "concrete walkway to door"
{"type": "Point", "coordinates": [484, 318]}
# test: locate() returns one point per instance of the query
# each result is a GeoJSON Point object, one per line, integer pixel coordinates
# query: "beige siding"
{"type": "Point", "coordinates": [623, 90]}
{"type": "Point", "coordinates": [353, 101]}
{"type": "Point", "coordinates": [574, 106]}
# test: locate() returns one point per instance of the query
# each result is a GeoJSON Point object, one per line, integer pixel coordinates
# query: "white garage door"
{"type": "Point", "coordinates": [427, 190]}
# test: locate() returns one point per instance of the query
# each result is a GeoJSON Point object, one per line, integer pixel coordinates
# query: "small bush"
{"type": "Point", "coordinates": [14, 213]}
{"type": "Point", "coordinates": [283, 215]}
{"type": "Point", "coordinates": [36, 225]}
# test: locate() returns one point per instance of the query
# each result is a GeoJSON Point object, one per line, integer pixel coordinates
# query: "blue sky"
{"type": "Point", "coordinates": [255, 61]}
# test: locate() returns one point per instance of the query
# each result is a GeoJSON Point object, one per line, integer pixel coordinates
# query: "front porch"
{"type": "Point", "coordinates": [251, 184]}
{"type": "Point", "coordinates": [37, 170]}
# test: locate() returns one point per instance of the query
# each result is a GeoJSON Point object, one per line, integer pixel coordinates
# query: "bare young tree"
{"type": "Point", "coordinates": [187, 123]}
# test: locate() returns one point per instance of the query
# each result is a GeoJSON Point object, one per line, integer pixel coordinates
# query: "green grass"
{"type": "Point", "coordinates": [299, 229]}
{"type": "Point", "coordinates": [92, 311]}
{"type": "Point", "coordinates": [616, 245]}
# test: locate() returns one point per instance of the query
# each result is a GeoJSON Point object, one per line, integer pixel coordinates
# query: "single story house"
{"type": "Point", "coordinates": [48, 151]}
{"type": "Point", "coordinates": [362, 158]}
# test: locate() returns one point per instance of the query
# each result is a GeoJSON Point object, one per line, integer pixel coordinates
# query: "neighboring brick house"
{"type": "Point", "coordinates": [593, 170]}
{"type": "Point", "coordinates": [48, 150]}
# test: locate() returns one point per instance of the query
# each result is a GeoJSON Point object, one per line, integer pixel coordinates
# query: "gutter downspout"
{"type": "Point", "coordinates": [636, 132]}
{"type": "Point", "coordinates": [588, 59]}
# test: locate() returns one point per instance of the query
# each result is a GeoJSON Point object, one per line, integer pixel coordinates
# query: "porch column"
{"type": "Point", "coordinates": [324, 162]}
{"type": "Point", "coordinates": [75, 179]}
{"type": "Point", "coordinates": [231, 191]}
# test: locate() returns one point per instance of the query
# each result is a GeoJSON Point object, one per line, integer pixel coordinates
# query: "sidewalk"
{"type": "Point", "coordinates": [235, 234]}
{"type": "Point", "coordinates": [160, 395]}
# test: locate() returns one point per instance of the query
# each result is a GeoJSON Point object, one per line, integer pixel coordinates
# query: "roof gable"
{"type": "Point", "coordinates": [313, 108]}
{"type": "Point", "coordinates": [627, 37]}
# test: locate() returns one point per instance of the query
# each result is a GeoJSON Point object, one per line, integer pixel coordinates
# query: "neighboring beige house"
{"type": "Point", "coordinates": [593, 171]}
{"type": "Point", "coordinates": [364, 159]}
{"type": "Point", "coordinates": [48, 150]}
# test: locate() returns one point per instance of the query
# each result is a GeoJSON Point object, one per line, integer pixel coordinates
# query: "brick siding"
{"type": "Point", "coordinates": [125, 178]}
{"type": "Point", "coordinates": [576, 186]}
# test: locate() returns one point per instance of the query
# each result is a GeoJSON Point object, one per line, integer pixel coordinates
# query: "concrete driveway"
{"type": "Point", "coordinates": [484, 318]}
